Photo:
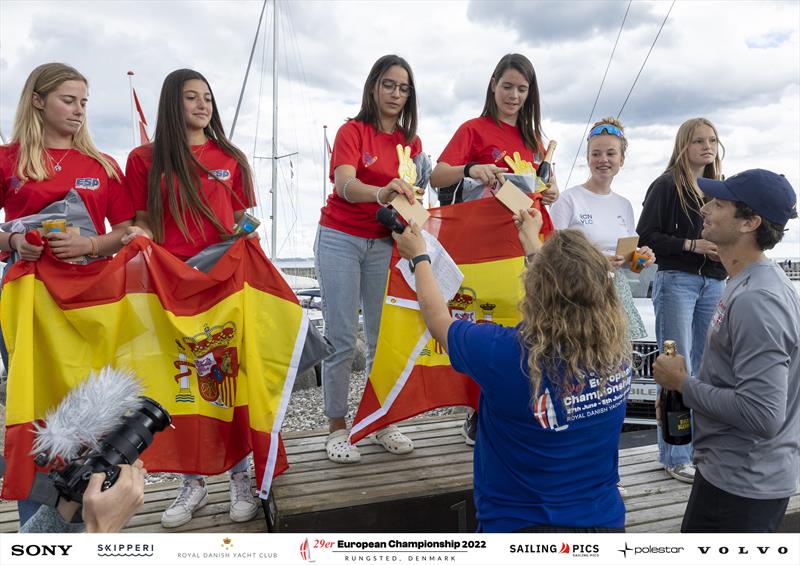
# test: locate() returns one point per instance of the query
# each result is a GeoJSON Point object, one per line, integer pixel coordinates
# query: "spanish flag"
{"type": "Point", "coordinates": [411, 372]}
{"type": "Point", "coordinates": [218, 350]}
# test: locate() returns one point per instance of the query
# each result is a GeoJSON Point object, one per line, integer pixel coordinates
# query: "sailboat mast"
{"type": "Point", "coordinates": [324, 164]}
{"type": "Point", "coordinates": [274, 238]}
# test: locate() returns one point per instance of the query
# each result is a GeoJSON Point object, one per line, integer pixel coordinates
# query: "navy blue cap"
{"type": "Point", "coordinates": [769, 194]}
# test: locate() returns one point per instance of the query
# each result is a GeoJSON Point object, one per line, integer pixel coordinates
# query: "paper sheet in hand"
{"type": "Point", "coordinates": [626, 246]}
{"type": "Point", "coordinates": [447, 274]}
{"type": "Point", "coordinates": [410, 212]}
{"type": "Point", "coordinates": [513, 198]}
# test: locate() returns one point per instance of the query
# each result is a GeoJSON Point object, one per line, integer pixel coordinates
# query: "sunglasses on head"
{"type": "Point", "coordinates": [605, 128]}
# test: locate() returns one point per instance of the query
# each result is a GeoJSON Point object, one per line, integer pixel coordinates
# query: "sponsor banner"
{"type": "Point", "coordinates": [221, 548]}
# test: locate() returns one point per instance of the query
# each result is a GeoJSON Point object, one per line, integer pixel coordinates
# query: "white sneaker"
{"type": "Point", "coordinates": [243, 506]}
{"type": "Point", "coordinates": [683, 473]}
{"type": "Point", "coordinates": [192, 496]}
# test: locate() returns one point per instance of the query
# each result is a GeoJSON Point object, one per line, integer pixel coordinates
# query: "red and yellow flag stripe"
{"type": "Point", "coordinates": [147, 311]}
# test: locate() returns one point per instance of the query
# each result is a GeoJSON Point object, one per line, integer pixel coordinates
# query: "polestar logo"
{"type": "Point", "coordinates": [625, 551]}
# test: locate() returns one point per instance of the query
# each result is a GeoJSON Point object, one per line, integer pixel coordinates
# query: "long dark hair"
{"type": "Point", "coordinates": [370, 113]}
{"type": "Point", "coordinates": [173, 160]}
{"type": "Point", "coordinates": [529, 122]}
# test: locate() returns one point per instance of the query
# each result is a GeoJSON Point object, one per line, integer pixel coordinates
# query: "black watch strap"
{"type": "Point", "coordinates": [467, 167]}
{"type": "Point", "coordinates": [412, 263]}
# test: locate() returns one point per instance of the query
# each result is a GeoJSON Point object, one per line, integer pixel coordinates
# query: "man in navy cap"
{"type": "Point", "coordinates": [746, 397]}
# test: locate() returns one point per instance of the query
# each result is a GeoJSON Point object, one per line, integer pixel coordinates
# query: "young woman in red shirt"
{"type": "Point", "coordinates": [508, 129]}
{"type": "Point", "coordinates": [189, 187]}
{"type": "Point", "coordinates": [352, 250]}
{"type": "Point", "coordinates": [51, 153]}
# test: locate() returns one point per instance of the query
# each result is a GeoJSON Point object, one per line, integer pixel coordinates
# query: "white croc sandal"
{"type": "Point", "coordinates": [393, 440]}
{"type": "Point", "coordinates": [339, 448]}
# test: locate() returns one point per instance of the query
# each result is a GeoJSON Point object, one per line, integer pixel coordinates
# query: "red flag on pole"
{"type": "Point", "coordinates": [139, 108]}
{"type": "Point", "coordinates": [142, 120]}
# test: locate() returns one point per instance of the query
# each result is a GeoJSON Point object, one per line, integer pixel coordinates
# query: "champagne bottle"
{"type": "Point", "coordinates": [676, 418]}
{"type": "Point", "coordinates": [545, 167]}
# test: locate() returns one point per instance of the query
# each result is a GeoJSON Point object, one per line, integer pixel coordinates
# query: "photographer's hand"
{"type": "Point", "coordinates": [108, 511]}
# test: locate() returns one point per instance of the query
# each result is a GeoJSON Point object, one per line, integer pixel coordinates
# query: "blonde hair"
{"type": "Point", "coordinates": [689, 194]}
{"type": "Point", "coordinates": [573, 325]}
{"type": "Point", "coordinates": [611, 122]}
{"type": "Point", "coordinates": [28, 128]}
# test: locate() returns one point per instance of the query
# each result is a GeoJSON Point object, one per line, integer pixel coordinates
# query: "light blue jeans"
{"type": "Point", "coordinates": [684, 304]}
{"type": "Point", "coordinates": [238, 468]}
{"type": "Point", "coordinates": [351, 271]}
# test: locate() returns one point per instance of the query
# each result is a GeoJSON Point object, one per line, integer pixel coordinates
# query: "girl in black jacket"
{"type": "Point", "coordinates": [690, 278]}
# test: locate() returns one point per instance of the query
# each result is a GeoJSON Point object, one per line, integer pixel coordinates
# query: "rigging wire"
{"type": "Point", "coordinates": [599, 90]}
{"type": "Point", "coordinates": [645, 59]}
{"type": "Point", "coordinates": [290, 209]}
{"type": "Point", "coordinates": [247, 72]}
{"type": "Point", "coordinates": [256, 161]}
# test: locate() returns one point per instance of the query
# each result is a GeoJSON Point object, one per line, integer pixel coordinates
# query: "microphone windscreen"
{"type": "Point", "coordinates": [88, 413]}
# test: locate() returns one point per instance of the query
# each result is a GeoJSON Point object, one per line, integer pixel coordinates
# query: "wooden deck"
{"type": "Point", "coordinates": [386, 492]}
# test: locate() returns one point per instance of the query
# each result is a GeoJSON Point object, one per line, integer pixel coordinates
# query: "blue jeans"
{"type": "Point", "coordinates": [351, 270]}
{"type": "Point", "coordinates": [238, 468]}
{"type": "Point", "coordinates": [684, 304]}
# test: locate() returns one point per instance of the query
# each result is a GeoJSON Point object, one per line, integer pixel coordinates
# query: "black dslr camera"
{"type": "Point", "coordinates": [121, 446]}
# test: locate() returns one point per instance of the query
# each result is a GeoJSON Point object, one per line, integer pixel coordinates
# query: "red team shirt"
{"type": "Point", "coordinates": [103, 196]}
{"type": "Point", "coordinates": [373, 154]}
{"type": "Point", "coordinates": [222, 200]}
{"type": "Point", "coordinates": [484, 142]}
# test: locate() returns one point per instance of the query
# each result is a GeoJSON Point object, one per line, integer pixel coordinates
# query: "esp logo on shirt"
{"type": "Point", "coordinates": [87, 183]}
{"type": "Point", "coordinates": [219, 174]}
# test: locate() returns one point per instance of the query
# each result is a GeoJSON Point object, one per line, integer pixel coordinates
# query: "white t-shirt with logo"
{"type": "Point", "coordinates": [604, 218]}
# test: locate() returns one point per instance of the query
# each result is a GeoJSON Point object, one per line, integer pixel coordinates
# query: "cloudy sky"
{"type": "Point", "coordinates": [736, 63]}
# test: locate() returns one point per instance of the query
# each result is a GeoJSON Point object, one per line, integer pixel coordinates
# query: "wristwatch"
{"type": "Point", "coordinates": [467, 167]}
{"type": "Point", "coordinates": [412, 263]}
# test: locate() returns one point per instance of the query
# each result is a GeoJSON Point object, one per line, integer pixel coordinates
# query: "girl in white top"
{"type": "Point", "coordinates": [604, 216]}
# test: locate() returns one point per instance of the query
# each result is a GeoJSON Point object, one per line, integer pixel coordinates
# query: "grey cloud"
{"type": "Point", "coordinates": [540, 22]}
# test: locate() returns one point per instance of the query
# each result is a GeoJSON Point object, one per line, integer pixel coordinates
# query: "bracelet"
{"type": "Point", "coordinates": [378, 197]}
{"type": "Point", "coordinates": [344, 189]}
{"type": "Point", "coordinates": [467, 168]}
{"type": "Point", "coordinates": [529, 257]}
{"type": "Point", "coordinates": [93, 242]}
{"type": "Point", "coordinates": [693, 246]}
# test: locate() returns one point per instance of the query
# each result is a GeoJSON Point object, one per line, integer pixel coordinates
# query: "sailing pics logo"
{"type": "Point", "coordinates": [305, 551]}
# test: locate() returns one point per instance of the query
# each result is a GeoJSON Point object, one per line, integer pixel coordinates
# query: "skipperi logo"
{"type": "Point", "coordinates": [305, 551]}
